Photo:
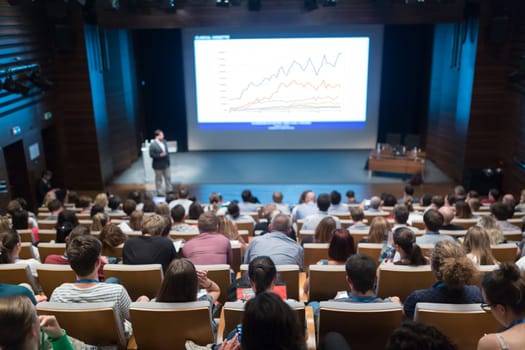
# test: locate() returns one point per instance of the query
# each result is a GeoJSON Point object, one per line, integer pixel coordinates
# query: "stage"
{"type": "Point", "coordinates": [291, 172]}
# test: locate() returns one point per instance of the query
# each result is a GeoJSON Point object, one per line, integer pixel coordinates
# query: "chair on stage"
{"type": "Point", "coordinates": [464, 324]}
{"type": "Point", "coordinates": [289, 275]}
{"type": "Point", "coordinates": [96, 324]}
{"type": "Point", "coordinates": [364, 325]}
{"type": "Point", "coordinates": [401, 280]}
{"type": "Point", "coordinates": [137, 279]}
{"type": "Point", "coordinates": [167, 326]}
{"type": "Point", "coordinates": [219, 274]}
{"type": "Point", "coordinates": [313, 252]}
{"type": "Point", "coordinates": [51, 276]}
{"type": "Point", "coordinates": [326, 281]}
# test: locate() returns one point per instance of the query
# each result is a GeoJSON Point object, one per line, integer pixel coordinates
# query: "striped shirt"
{"type": "Point", "coordinates": [101, 292]}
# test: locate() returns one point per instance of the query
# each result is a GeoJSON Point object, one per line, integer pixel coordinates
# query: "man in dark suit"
{"type": "Point", "coordinates": [158, 151]}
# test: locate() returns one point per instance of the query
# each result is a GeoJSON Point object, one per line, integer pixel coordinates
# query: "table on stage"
{"type": "Point", "coordinates": [410, 163]}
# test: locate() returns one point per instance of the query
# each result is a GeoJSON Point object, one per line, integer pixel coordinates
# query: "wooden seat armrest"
{"type": "Point", "coordinates": [220, 330]}
{"type": "Point", "coordinates": [310, 328]}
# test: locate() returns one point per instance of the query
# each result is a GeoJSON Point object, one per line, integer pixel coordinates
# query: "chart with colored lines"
{"type": "Point", "coordinates": [291, 80]}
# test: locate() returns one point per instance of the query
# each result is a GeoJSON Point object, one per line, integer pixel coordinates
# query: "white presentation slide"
{"type": "Point", "coordinates": [281, 80]}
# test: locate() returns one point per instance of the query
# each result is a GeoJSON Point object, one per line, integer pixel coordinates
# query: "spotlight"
{"type": "Point", "coordinates": [222, 3]}
{"type": "Point", "coordinates": [310, 5]}
{"type": "Point", "coordinates": [39, 81]}
{"type": "Point", "coordinates": [15, 86]}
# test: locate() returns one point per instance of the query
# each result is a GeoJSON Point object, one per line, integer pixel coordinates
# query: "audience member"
{"type": "Point", "coordinates": [350, 197]}
{"type": "Point", "coordinates": [262, 274]}
{"type": "Point", "coordinates": [209, 247]}
{"type": "Point", "coordinates": [323, 203]}
{"type": "Point", "coordinates": [375, 206]}
{"type": "Point", "coordinates": [306, 207]}
{"type": "Point", "coordinates": [493, 196]}
{"type": "Point", "coordinates": [234, 213]}
{"type": "Point", "coordinates": [418, 336]}
{"type": "Point", "coordinates": [249, 203]}
{"type": "Point", "coordinates": [84, 258]}
{"type": "Point", "coordinates": [454, 272]}
{"type": "Point", "coordinates": [182, 199]}
{"type": "Point", "coordinates": [54, 207]}
{"type": "Point", "coordinates": [437, 202]}
{"type": "Point", "coordinates": [148, 205]}
{"type": "Point", "coordinates": [100, 220]}
{"type": "Point", "coordinates": [477, 246]}
{"type": "Point", "coordinates": [379, 231]}
{"type": "Point", "coordinates": [163, 209]}
{"type": "Point", "coordinates": [95, 209]}
{"type": "Point", "coordinates": [10, 290]}
{"type": "Point", "coordinates": [178, 225]}
{"type": "Point", "coordinates": [277, 198]}
{"type": "Point", "coordinates": [474, 204]}
{"type": "Point", "coordinates": [195, 211]}
{"type": "Point", "coordinates": [433, 222]}
{"type": "Point", "coordinates": [358, 216]}
{"type": "Point", "coordinates": [323, 232]}
{"type": "Point", "coordinates": [409, 252]}
{"type": "Point", "coordinates": [463, 210]}
{"type": "Point", "coordinates": [114, 203]}
{"type": "Point", "coordinates": [501, 212]}
{"type": "Point", "coordinates": [335, 204]}
{"type": "Point", "coordinates": [268, 213]}
{"type": "Point", "coordinates": [448, 216]}
{"type": "Point", "coordinates": [84, 203]}
{"type": "Point", "coordinates": [182, 282]}
{"type": "Point", "coordinates": [135, 220]}
{"type": "Point", "coordinates": [490, 225]}
{"type": "Point", "coordinates": [388, 199]}
{"type": "Point", "coordinates": [10, 247]}
{"type": "Point", "coordinates": [111, 237]}
{"type": "Point", "coordinates": [23, 329]}
{"type": "Point", "coordinates": [102, 200]}
{"type": "Point", "coordinates": [277, 244]}
{"type": "Point", "coordinates": [401, 215]}
{"type": "Point", "coordinates": [503, 291]}
{"type": "Point", "coordinates": [426, 200]}
{"type": "Point", "coordinates": [151, 247]}
{"type": "Point", "coordinates": [44, 186]}
{"type": "Point", "coordinates": [216, 204]}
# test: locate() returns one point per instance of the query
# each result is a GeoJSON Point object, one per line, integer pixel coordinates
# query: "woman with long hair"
{"type": "Point", "coordinates": [504, 291]}
{"type": "Point", "coordinates": [492, 228]}
{"type": "Point", "coordinates": [409, 252]}
{"type": "Point", "coordinates": [454, 273]}
{"type": "Point", "coordinates": [477, 246]}
{"type": "Point", "coordinates": [100, 220]}
{"type": "Point", "coordinates": [10, 247]}
{"type": "Point", "coordinates": [262, 274]}
{"type": "Point", "coordinates": [135, 220]}
{"type": "Point", "coordinates": [463, 210]}
{"type": "Point", "coordinates": [379, 230]}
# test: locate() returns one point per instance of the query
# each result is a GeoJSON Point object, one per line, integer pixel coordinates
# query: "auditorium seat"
{"type": "Point", "coordinates": [219, 274]}
{"type": "Point", "coordinates": [51, 276]}
{"type": "Point", "coordinates": [232, 313]}
{"type": "Point", "coordinates": [514, 236]}
{"type": "Point", "coordinates": [137, 279]}
{"type": "Point", "coordinates": [245, 225]}
{"type": "Point", "coordinates": [326, 281]}
{"type": "Point", "coordinates": [464, 324]}
{"type": "Point", "coordinates": [47, 224]}
{"type": "Point", "coordinates": [365, 326]}
{"type": "Point", "coordinates": [96, 324]}
{"type": "Point", "coordinates": [358, 235]}
{"type": "Point", "coordinates": [401, 280]}
{"type": "Point", "coordinates": [453, 233]}
{"type": "Point", "coordinates": [167, 326]}
{"type": "Point", "coordinates": [504, 252]}
{"type": "Point", "coordinates": [466, 223]}
{"type": "Point", "coordinates": [114, 252]}
{"type": "Point", "coordinates": [517, 222]}
{"type": "Point", "coordinates": [16, 274]}
{"type": "Point", "coordinates": [47, 235]}
{"type": "Point", "coordinates": [186, 236]}
{"type": "Point", "coordinates": [313, 252]}
{"type": "Point", "coordinates": [288, 274]}
{"type": "Point", "coordinates": [237, 256]}
{"type": "Point", "coordinates": [46, 249]}
{"type": "Point", "coordinates": [305, 233]}
{"type": "Point", "coordinates": [26, 251]}
{"type": "Point", "coordinates": [371, 249]}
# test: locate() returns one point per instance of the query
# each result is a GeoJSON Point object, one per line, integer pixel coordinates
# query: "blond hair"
{"type": "Point", "coordinates": [451, 266]}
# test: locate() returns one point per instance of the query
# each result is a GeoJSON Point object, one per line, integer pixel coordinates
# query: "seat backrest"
{"type": "Point", "coordinates": [466, 223]}
{"type": "Point", "coordinates": [137, 279]}
{"type": "Point", "coordinates": [93, 323]}
{"type": "Point", "coordinates": [370, 249]}
{"type": "Point", "coordinates": [115, 252]}
{"type": "Point", "coordinates": [364, 325]}
{"type": "Point", "coordinates": [26, 251]}
{"type": "Point", "coordinates": [288, 274]}
{"type": "Point", "coordinates": [233, 312]}
{"type": "Point", "coordinates": [245, 225]}
{"type": "Point", "coordinates": [221, 275]}
{"type": "Point", "coordinates": [45, 249]}
{"type": "Point", "coordinates": [426, 249]}
{"type": "Point", "coordinates": [51, 276]}
{"type": "Point", "coordinates": [47, 224]}
{"type": "Point", "coordinates": [25, 235]}
{"type": "Point", "coordinates": [400, 280]}
{"type": "Point", "coordinates": [305, 233]}
{"type": "Point", "coordinates": [517, 222]}
{"type": "Point", "coordinates": [358, 235]}
{"type": "Point", "coordinates": [370, 216]}
{"type": "Point", "coordinates": [515, 236]}
{"type": "Point", "coordinates": [167, 326]}
{"type": "Point", "coordinates": [174, 235]}
{"type": "Point", "coordinates": [86, 223]}
{"type": "Point", "coordinates": [237, 256]}
{"type": "Point", "coordinates": [46, 235]}
{"type": "Point", "coordinates": [464, 324]}
{"type": "Point", "coordinates": [16, 274]}
{"type": "Point", "coordinates": [326, 281]}
{"type": "Point", "coordinates": [420, 225]}
{"type": "Point", "coordinates": [313, 252]}
{"type": "Point", "coordinates": [483, 270]}
{"type": "Point", "coordinates": [504, 252]}
{"type": "Point", "coordinates": [453, 233]}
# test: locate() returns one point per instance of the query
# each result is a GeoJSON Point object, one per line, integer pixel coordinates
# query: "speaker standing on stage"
{"type": "Point", "coordinates": [158, 151]}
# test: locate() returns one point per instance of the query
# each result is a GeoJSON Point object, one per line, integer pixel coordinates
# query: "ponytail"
{"type": "Point", "coordinates": [262, 272]}
{"type": "Point", "coordinates": [505, 286]}
{"type": "Point", "coordinates": [8, 241]}
{"type": "Point", "coordinates": [415, 256]}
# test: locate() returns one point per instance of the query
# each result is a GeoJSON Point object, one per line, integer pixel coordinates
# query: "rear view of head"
{"type": "Point", "coordinates": [361, 272]}
{"type": "Point", "coordinates": [324, 230]}
{"type": "Point", "coordinates": [379, 228]}
{"type": "Point", "coordinates": [208, 222]}
{"type": "Point", "coordinates": [505, 287]}
{"type": "Point", "coordinates": [477, 242]}
{"type": "Point", "coordinates": [451, 266]}
{"type": "Point", "coordinates": [335, 197]}
{"type": "Point", "coordinates": [234, 210]}
{"type": "Point", "coordinates": [153, 225]}
{"type": "Point", "coordinates": [281, 223]}
{"type": "Point", "coordinates": [20, 328]}
{"type": "Point", "coordinates": [341, 245]}
{"type": "Point", "coordinates": [112, 236]}
{"type": "Point", "coordinates": [433, 220]}
{"type": "Point", "coordinates": [357, 214]}
{"type": "Point", "coordinates": [262, 274]}
{"type": "Point", "coordinates": [9, 241]}
{"type": "Point", "coordinates": [418, 336]}
{"type": "Point", "coordinates": [401, 214]}
{"type": "Point", "coordinates": [269, 323]}
{"type": "Point", "coordinates": [405, 239]}
{"type": "Point", "coordinates": [83, 253]}
{"type": "Point", "coordinates": [180, 283]}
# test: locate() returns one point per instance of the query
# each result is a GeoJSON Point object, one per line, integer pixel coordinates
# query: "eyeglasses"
{"type": "Point", "coordinates": [486, 307]}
